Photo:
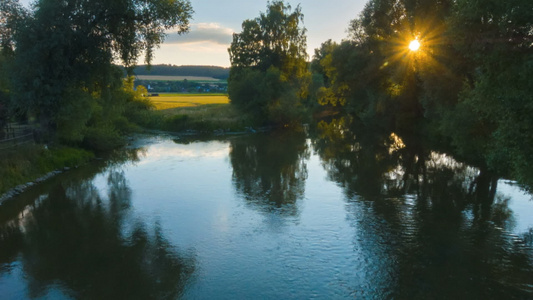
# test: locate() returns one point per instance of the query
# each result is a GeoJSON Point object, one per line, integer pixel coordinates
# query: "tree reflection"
{"type": "Point", "coordinates": [93, 247]}
{"type": "Point", "coordinates": [377, 163]}
{"type": "Point", "coordinates": [429, 226]}
{"type": "Point", "coordinates": [270, 170]}
{"type": "Point", "coordinates": [356, 159]}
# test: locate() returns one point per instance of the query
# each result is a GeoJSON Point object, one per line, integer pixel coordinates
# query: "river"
{"type": "Point", "coordinates": [279, 215]}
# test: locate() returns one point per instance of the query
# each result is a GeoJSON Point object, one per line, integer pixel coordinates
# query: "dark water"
{"type": "Point", "coordinates": [331, 215]}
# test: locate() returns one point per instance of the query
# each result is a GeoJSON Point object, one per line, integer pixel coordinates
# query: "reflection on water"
{"type": "Point", "coordinates": [270, 171]}
{"type": "Point", "coordinates": [373, 216]}
{"type": "Point", "coordinates": [436, 224]}
{"type": "Point", "coordinates": [76, 242]}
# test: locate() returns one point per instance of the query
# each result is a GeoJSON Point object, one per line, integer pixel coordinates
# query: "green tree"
{"type": "Point", "coordinates": [72, 87]}
{"type": "Point", "coordinates": [269, 74]}
{"type": "Point", "coordinates": [496, 39]}
{"type": "Point", "coordinates": [11, 13]}
{"type": "Point", "coordinates": [468, 88]}
{"type": "Point", "coordinates": [375, 76]}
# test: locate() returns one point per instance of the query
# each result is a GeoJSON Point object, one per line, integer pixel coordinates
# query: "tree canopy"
{"type": "Point", "coordinates": [63, 74]}
{"type": "Point", "coordinates": [268, 74]}
{"type": "Point", "coordinates": [467, 87]}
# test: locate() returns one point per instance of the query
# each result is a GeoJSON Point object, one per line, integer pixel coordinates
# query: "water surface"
{"type": "Point", "coordinates": [270, 216]}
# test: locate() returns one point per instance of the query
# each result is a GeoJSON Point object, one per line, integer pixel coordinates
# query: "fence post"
{"type": "Point", "coordinates": [16, 135]}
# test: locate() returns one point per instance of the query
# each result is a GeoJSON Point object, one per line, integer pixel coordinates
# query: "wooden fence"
{"type": "Point", "coordinates": [14, 135]}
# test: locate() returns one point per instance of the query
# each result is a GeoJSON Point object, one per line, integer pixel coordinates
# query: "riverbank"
{"type": "Point", "coordinates": [209, 118]}
{"type": "Point", "coordinates": [30, 164]}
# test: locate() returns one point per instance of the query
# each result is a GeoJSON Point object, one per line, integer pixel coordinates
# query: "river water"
{"type": "Point", "coordinates": [268, 216]}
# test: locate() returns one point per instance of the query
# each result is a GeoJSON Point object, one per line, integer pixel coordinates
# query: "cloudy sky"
{"type": "Point", "coordinates": [214, 22]}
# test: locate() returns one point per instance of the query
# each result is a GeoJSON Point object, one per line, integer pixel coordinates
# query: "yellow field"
{"type": "Point", "coordinates": [175, 78]}
{"type": "Point", "coordinates": [172, 101]}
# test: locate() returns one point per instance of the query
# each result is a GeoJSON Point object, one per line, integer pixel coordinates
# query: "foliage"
{"type": "Point", "coordinates": [467, 88]}
{"type": "Point", "coordinates": [4, 91]}
{"type": "Point", "coordinates": [11, 15]}
{"type": "Point", "coordinates": [72, 87]}
{"type": "Point", "coordinates": [496, 37]}
{"type": "Point", "coordinates": [269, 75]}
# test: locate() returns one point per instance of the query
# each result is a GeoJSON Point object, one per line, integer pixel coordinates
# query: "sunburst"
{"type": "Point", "coordinates": [414, 45]}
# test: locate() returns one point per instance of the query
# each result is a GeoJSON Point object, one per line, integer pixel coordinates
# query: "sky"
{"type": "Point", "coordinates": [214, 22]}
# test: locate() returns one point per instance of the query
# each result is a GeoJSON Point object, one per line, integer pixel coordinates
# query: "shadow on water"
{"type": "Point", "coordinates": [428, 226]}
{"type": "Point", "coordinates": [87, 242]}
{"type": "Point", "coordinates": [269, 170]}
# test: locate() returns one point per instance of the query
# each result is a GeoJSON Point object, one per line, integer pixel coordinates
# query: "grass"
{"type": "Point", "coordinates": [200, 112]}
{"type": "Point", "coordinates": [169, 101]}
{"type": "Point", "coordinates": [30, 162]}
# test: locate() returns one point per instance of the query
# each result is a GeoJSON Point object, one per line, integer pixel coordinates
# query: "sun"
{"type": "Point", "coordinates": [414, 45]}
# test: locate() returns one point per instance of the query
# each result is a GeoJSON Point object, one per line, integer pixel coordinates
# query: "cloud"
{"type": "Point", "coordinates": [211, 33]}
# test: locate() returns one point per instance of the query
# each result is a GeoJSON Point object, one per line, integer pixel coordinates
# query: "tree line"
{"type": "Point", "coordinates": [173, 70]}
{"type": "Point", "coordinates": [468, 89]}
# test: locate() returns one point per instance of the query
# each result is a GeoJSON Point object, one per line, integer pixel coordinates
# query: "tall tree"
{"type": "Point", "coordinates": [497, 39]}
{"type": "Point", "coordinates": [11, 12]}
{"type": "Point", "coordinates": [269, 72]}
{"type": "Point", "coordinates": [65, 51]}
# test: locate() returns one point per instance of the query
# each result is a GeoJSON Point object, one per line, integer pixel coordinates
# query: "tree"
{"type": "Point", "coordinates": [468, 88]}
{"type": "Point", "coordinates": [71, 47]}
{"type": "Point", "coordinates": [496, 38]}
{"type": "Point", "coordinates": [11, 12]}
{"type": "Point", "coordinates": [269, 74]}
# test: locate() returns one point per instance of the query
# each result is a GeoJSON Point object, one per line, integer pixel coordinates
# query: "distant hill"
{"type": "Point", "coordinates": [172, 70]}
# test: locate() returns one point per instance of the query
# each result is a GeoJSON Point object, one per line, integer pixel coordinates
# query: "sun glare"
{"type": "Point", "coordinates": [414, 45]}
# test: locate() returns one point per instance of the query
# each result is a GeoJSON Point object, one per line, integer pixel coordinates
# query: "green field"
{"type": "Point", "coordinates": [200, 112]}
{"type": "Point", "coordinates": [168, 101]}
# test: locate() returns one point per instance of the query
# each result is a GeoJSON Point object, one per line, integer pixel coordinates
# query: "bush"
{"type": "Point", "coordinates": [103, 138]}
{"type": "Point", "coordinates": [176, 123]}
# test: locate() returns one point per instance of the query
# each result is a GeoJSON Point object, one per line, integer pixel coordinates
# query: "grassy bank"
{"type": "Point", "coordinates": [202, 113]}
{"type": "Point", "coordinates": [199, 112]}
{"type": "Point", "coordinates": [30, 162]}
{"type": "Point", "coordinates": [204, 118]}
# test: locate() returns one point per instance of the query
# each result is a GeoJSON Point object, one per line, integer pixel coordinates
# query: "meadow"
{"type": "Point", "coordinates": [200, 112]}
{"type": "Point", "coordinates": [169, 101]}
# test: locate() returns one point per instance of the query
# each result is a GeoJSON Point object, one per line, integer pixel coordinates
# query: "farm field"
{"type": "Point", "coordinates": [168, 101]}
{"type": "Point", "coordinates": [176, 78]}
